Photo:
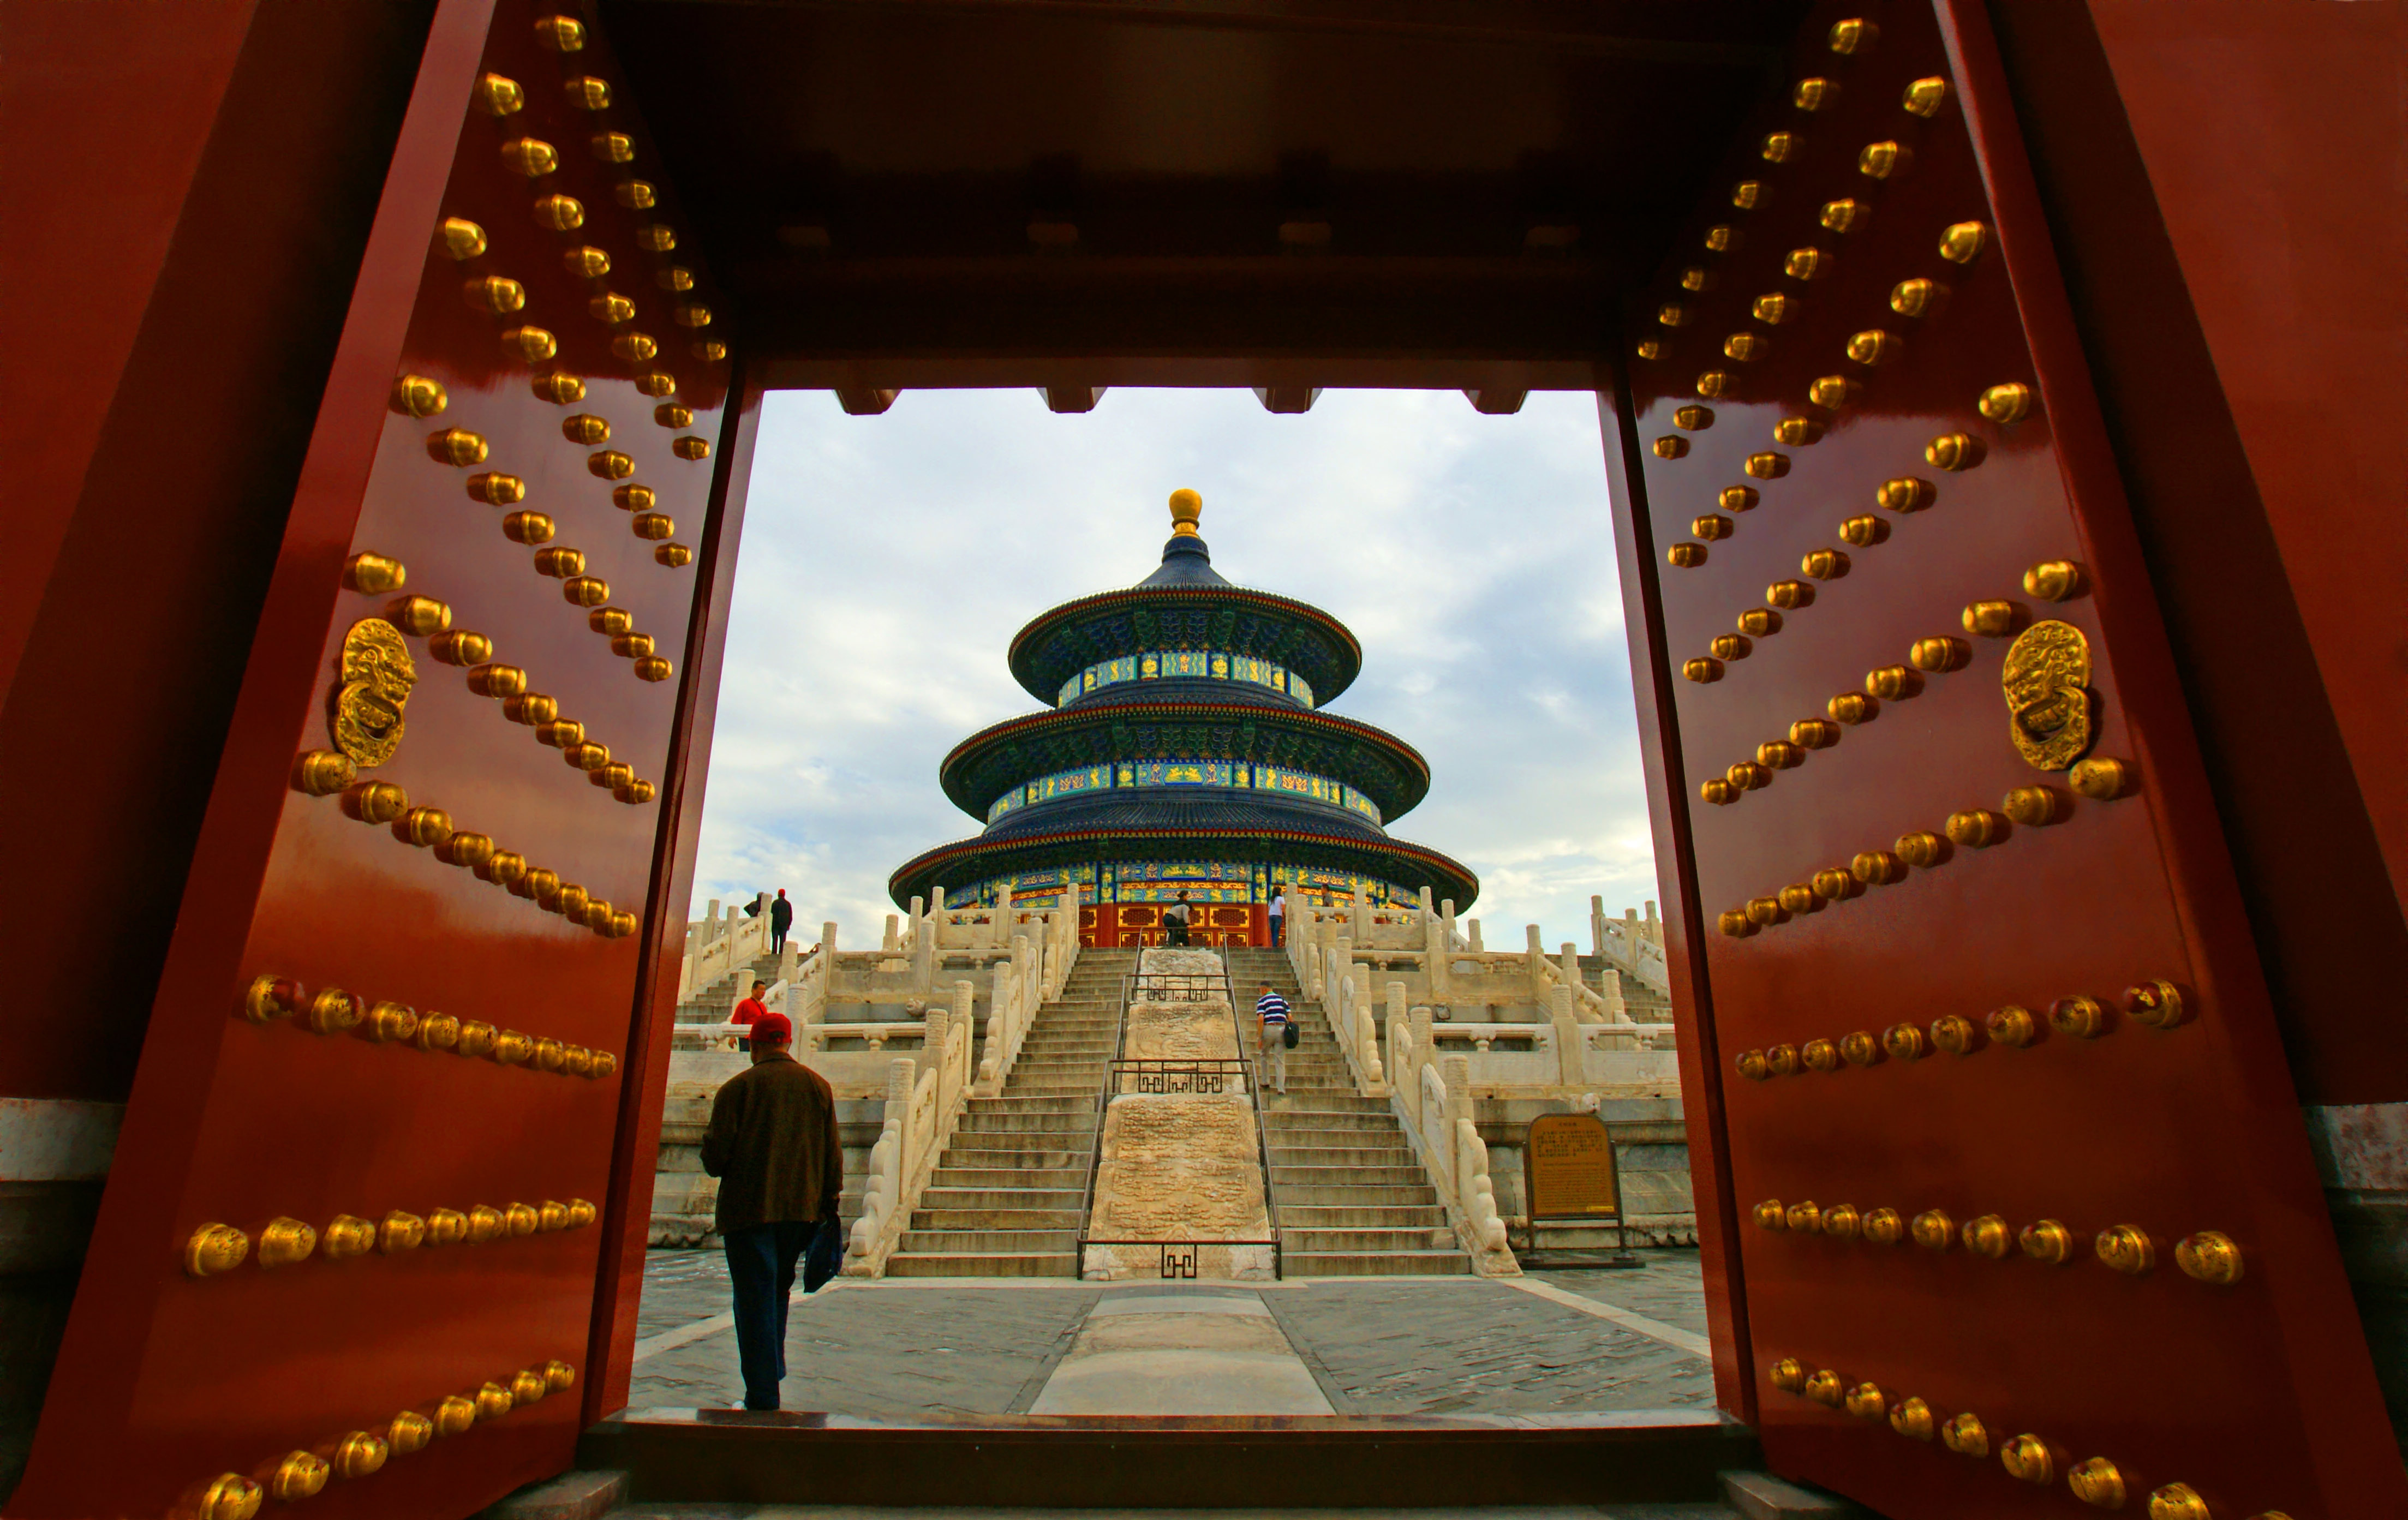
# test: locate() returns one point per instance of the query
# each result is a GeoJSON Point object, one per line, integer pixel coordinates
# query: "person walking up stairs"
{"type": "Point", "coordinates": [1004, 1197]}
{"type": "Point", "coordinates": [1350, 1197]}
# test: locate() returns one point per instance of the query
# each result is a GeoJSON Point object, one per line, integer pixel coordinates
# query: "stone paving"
{"type": "Point", "coordinates": [1372, 1346]}
{"type": "Point", "coordinates": [1669, 1288]}
{"type": "Point", "coordinates": [1467, 1346]}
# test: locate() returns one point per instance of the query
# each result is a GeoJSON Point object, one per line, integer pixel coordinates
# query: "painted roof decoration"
{"type": "Point", "coordinates": [1183, 723]}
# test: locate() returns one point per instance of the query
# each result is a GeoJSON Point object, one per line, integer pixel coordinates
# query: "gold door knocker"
{"type": "Point", "coordinates": [2049, 701]}
{"type": "Point", "coordinates": [375, 677]}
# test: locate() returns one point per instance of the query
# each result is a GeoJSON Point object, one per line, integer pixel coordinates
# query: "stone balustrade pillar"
{"type": "Point", "coordinates": [901, 1073]}
{"type": "Point", "coordinates": [1571, 1039]}
{"type": "Point", "coordinates": [935, 1049]}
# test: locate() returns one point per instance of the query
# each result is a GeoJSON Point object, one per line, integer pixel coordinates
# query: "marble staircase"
{"type": "Point", "coordinates": [1349, 1195]}
{"type": "Point", "coordinates": [1006, 1196]}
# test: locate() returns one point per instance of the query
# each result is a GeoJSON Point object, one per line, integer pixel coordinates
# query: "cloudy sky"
{"type": "Point", "coordinates": [887, 562]}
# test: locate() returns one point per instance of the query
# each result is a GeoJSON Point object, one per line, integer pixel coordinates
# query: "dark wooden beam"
{"type": "Point", "coordinates": [861, 401]}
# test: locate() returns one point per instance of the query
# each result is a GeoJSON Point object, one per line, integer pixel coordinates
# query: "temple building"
{"type": "Point", "coordinates": [1185, 750]}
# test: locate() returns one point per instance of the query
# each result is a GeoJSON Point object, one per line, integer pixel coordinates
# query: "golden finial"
{"type": "Point", "coordinates": [1186, 507]}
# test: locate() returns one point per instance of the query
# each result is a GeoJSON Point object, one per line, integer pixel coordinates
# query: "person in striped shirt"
{"type": "Point", "coordinates": [1271, 1009]}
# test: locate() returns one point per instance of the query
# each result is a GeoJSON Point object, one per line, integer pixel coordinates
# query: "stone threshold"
{"type": "Point", "coordinates": [1399, 1461]}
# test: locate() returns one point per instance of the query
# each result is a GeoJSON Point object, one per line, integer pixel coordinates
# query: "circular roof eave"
{"type": "Point", "coordinates": [1043, 682]}
{"type": "Point", "coordinates": [920, 871]}
{"type": "Point", "coordinates": [1392, 803]}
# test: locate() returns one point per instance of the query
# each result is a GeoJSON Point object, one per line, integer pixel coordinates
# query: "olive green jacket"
{"type": "Point", "coordinates": [772, 1143]}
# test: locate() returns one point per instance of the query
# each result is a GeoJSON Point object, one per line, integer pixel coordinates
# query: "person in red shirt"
{"type": "Point", "coordinates": [750, 1009]}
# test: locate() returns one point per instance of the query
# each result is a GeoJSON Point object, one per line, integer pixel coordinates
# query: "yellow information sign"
{"type": "Point", "coordinates": [1568, 1169]}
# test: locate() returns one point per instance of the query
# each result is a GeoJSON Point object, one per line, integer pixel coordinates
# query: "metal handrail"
{"type": "Point", "coordinates": [1095, 1143]}
{"type": "Point", "coordinates": [1163, 1074]}
{"type": "Point", "coordinates": [1262, 1129]}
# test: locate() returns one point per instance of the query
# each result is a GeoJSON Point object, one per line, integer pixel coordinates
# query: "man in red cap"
{"type": "Point", "coordinates": [772, 1143]}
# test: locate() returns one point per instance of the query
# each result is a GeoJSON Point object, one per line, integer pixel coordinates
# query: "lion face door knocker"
{"type": "Point", "coordinates": [375, 677]}
{"type": "Point", "coordinates": [2049, 702]}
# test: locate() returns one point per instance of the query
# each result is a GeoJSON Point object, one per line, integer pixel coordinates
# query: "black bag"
{"type": "Point", "coordinates": [825, 1256]}
{"type": "Point", "coordinates": [1288, 1035]}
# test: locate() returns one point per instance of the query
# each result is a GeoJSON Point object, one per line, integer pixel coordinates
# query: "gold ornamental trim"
{"type": "Point", "coordinates": [376, 676]}
{"type": "Point", "coordinates": [2050, 706]}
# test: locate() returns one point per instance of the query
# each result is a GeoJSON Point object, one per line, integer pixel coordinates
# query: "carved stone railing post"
{"type": "Point", "coordinates": [994, 1065]}
{"type": "Point", "coordinates": [1570, 1040]}
{"type": "Point", "coordinates": [872, 1240]}
{"type": "Point", "coordinates": [1475, 1197]}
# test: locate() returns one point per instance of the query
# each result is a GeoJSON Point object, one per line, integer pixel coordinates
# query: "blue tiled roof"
{"type": "Point", "coordinates": [1185, 561]}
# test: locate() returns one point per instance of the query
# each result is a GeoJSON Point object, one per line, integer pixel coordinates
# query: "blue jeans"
{"type": "Point", "coordinates": [1279, 930]}
{"type": "Point", "coordinates": [761, 1266]}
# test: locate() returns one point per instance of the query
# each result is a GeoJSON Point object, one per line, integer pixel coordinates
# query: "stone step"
{"type": "Point", "coordinates": [1003, 1198]}
{"type": "Point", "coordinates": [1335, 1129]}
{"type": "Point", "coordinates": [1311, 1216]}
{"type": "Point", "coordinates": [1371, 1263]}
{"type": "Point", "coordinates": [1343, 1242]}
{"type": "Point", "coordinates": [1309, 1102]}
{"type": "Point", "coordinates": [1014, 1151]}
{"type": "Point", "coordinates": [1022, 1103]}
{"type": "Point", "coordinates": [934, 1220]}
{"type": "Point", "coordinates": [1002, 1241]}
{"type": "Point", "coordinates": [1332, 1176]}
{"type": "Point", "coordinates": [982, 1264]}
{"type": "Point", "coordinates": [1295, 1196]}
{"type": "Point", "coordinates": [948, 1175]}
{"type": "Point", "coordinates": [1385, 1158]}
{"type": "Point", "coordinates": [1059, 1126]}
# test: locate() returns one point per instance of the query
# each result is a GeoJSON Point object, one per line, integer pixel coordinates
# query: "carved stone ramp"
{"type": "Point", "coordinates": [1005, 1198]}
{"type": "Point", "coordinates": [1179, 1180]}
{"type": "Point", "coordinates": [1347, 1192]}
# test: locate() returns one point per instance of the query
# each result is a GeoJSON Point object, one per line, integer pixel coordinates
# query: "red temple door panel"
{"type": "Point", "coordinates": [355, 1238]}
{"type": "Point", "coordinates": [2018, 1209]}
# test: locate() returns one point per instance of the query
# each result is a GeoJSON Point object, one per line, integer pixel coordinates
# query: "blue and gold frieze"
{"type": "Point", "coordinates": [1185, 664]}
{"type": "Point", "coordinates": [1162, 881]}
{"type": "Point", "coordinates": [1146, 773]}
{"type": "Point", "coordinates": [1319, 888]}
{"type": "Point", "coordinates": [1035, 890]}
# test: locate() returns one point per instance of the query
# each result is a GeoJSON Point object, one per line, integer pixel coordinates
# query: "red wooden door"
{"type": "Point", "coordinates": [354, 1249]}
{"type": "Point", "coordinates": [2019, 1213]}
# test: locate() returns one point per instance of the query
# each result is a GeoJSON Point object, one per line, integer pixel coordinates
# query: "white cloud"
{"type": "Point", "coordinates": [887, 562]}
